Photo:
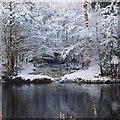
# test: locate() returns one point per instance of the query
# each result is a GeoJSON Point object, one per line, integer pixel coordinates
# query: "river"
{"type": "Point", "coordinates": [55, 100]}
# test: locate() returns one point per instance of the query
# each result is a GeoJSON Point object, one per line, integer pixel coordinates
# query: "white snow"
{"type": "Point", "coordinates": [28, 69]}
{"type": "Point", "coordinates": [84, 74]}
{"type": "Point", "coordinates": [90, 74]}
{"type": "Point", "coordinates": [32, 77]}
{"type": "Point", "coordinates": [115, 60]}
{"type": "Point", "coordinates": [69, 49]}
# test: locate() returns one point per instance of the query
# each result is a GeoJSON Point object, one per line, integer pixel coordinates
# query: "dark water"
{"type": "Point", "coordinates": [52, 100]}
{"type": "Point", "coordinates": [0, 100]}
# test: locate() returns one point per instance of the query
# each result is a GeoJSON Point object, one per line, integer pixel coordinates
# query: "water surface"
{"type": "Point", "coordinates": [52, 100]}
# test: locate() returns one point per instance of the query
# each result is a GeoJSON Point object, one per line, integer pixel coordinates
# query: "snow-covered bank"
{"type": "Point", "coordinates": [26, 76]}
{"type": "Point", "coordinates": [25, 73]}
{"type": "Point", "coordinates": [90, 75]}
{"type": "Point", "coordinates": [87, 74]}
{"type": "Point", "coordinates": [32, 77]}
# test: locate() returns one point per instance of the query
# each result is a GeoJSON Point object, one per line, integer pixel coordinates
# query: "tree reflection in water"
{"type": "Point", "coordinates": [61, 101]}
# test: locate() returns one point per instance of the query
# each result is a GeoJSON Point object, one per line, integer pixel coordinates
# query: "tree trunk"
{"type": "Point", "coordinates": [111, 71]}
{"type": "Point", "coordinates": [101, 69]}
{"type": "Point", "coordinates": [12, 61]}
{"type": "Point", "coordinates": [10, 45]}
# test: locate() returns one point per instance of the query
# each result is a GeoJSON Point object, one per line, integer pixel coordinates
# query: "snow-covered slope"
{"type": "Point", "coordinates": [90, 74]}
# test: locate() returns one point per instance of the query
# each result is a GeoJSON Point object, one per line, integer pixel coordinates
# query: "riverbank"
{"type": "Point", "coordinates": [89, 76]}
{"type": "Point", "coordinates": [81, 81]}
{"type": "Point", "coordinates": [45, 80]}
{"type": "Point", "coordinates": [21, 80]}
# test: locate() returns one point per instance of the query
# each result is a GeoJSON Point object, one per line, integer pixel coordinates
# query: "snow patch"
{"type": "Point", "coordinates": [25, 74]}
{"type": "Point", "coordinates": [32, 77]}
{"type": "Point", "coordinates": [90, 74]}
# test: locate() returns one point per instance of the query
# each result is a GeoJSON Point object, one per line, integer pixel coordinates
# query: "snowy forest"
{"type": "Point", "coordinates": [60, 60]}
{"type": "Point", "coordinates": [79, 36]}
